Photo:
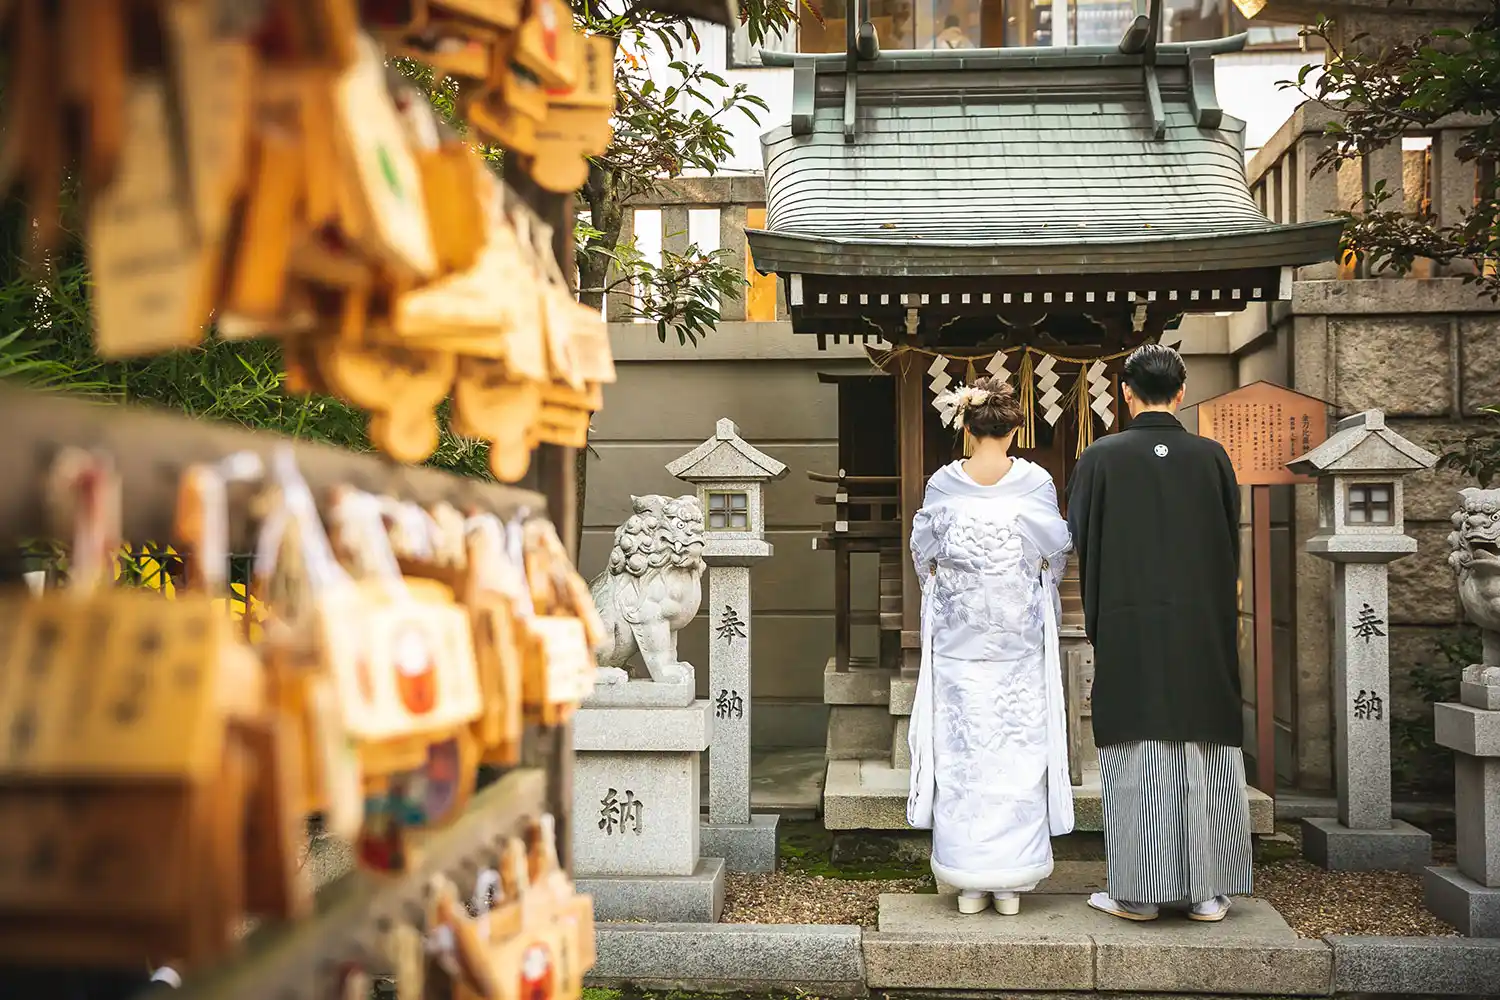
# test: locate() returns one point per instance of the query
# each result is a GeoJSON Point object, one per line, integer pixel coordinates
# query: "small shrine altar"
{"type": "Point", "coordinates": [1035, 213]}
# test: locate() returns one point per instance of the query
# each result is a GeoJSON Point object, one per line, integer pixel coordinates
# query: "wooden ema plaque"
{"type": "Point", "coordinates": [1263, 427]}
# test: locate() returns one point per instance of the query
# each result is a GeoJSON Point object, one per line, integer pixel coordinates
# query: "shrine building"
{"type": "Point", "coordinates": [913, 201]}
{"type": "Point", "coordinates": [929, 215]}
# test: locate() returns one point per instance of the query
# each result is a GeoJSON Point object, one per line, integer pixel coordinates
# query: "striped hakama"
{"type": "Point", "coordinates": [1176, 821]}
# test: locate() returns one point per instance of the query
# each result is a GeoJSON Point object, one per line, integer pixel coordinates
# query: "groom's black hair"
{"type": "Point", "coordinates": [1154, 373]}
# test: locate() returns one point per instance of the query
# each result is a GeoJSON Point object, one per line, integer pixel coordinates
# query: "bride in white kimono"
{"type": "Point", "coordinates": [989, 772]}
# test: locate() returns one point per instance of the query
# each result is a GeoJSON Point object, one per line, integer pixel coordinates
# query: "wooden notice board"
{"type": "Point", "coordinates": [1263, 427]}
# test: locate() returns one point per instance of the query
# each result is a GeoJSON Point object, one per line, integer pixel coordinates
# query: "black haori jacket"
{"type": "Point", "coordinates": [1155, 516]}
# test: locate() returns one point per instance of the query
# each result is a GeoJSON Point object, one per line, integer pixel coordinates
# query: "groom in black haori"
{"type": "Point", "coordinates": [1155, 515]}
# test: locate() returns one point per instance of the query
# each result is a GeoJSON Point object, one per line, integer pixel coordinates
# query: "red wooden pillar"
{"type": "Point", "coordinates": [1265, 694]}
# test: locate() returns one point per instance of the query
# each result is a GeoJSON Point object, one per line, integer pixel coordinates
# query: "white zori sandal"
{"type": "Point", "coordinates": [1008, 903]}
{"type": "Point", "coordinates": [973, 901]}
{"type": "Point", "coordinates": [1210, 910]}
{"type": "Point", "coordinates": [1104, 903]}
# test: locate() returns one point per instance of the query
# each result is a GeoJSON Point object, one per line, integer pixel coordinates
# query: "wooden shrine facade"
{"type": "Point", "coordinates": [1050, 207]}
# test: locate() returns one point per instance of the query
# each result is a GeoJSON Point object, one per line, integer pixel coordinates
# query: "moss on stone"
{"type": "Point", "coordinates": [808, 848]}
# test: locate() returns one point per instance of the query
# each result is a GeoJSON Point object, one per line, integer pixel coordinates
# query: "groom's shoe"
{"type": "Point", "coordinates": [1210, 911]}
{"type": "Point", "coordinates": [1102, 902]}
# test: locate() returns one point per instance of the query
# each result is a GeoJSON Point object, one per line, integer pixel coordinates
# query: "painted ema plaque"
{"type": "Point", "coordinates": [1263, 427]}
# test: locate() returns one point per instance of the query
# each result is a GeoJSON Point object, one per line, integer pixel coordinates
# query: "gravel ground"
{"type": "Point", "coordinates": [1316, 902]}
{"type": "Point", "coordinates": [1312, 901]}
{"type": "Point", "coordinates": [789, 897]}
{"type": "Point", "coordinates": [1383, 904]}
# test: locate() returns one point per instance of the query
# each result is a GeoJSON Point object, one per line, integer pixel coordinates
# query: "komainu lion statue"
{"type": "Point", "coordinates": [1476, 555]}
{"type": "Point", "coordinates": [1476, 560]}
{"type": "Point", "coordinates": [652, 588]}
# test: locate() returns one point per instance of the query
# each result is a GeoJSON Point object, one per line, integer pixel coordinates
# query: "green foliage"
{"type": "Point", "coordinates": [1407, 88]}
{"type": "Point", "coordinates": [46, 341]}
{"type": "Point", "coordinates": [443, 93]}
{"type": "Point", "coordinates": [807, 847]}
{"type": "Point", "coordinates": [1419, 766]}
{"type": "Point", "coordinates": [662, 128]}
{"type": "Point", "coordinates": [1476, 454]}
{"type": "Point", "coordinates": [682, 293]}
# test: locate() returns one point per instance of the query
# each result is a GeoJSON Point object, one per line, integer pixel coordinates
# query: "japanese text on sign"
{"type": "Point", "coordinates": [1263, 427]}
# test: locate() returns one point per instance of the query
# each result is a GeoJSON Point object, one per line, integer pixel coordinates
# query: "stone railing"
{"type": "Point", "coordinates": [1422, 174]}
{"type": "Point", "coordinates": [711, 212]}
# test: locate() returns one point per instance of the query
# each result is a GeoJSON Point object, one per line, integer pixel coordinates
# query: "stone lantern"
{"type": "Point", "coordinates": [1361, 531]}
{"type": "Point", "coordinates": [730, 475]}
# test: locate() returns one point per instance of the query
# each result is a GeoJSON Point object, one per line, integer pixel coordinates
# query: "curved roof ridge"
{"type": "Point", "coordinates": [969, 160]}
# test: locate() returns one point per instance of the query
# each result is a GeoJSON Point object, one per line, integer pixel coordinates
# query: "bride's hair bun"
{"type": "Point", "coordinates": [998, 414]}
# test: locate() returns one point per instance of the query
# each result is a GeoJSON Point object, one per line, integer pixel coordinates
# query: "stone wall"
{"type": "Point", "coordinates": [1428, 353]}
{"type": "Point", "coordinates": [1424, 348]}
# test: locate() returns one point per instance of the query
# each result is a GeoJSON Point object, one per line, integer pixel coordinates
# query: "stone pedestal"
{"type": "Point", "coordinates": [636, 809]}
{"type": "Point", "coordinates": [1468, 896]}
{"type": "Point", "coordinates": [1333, 846]}
{"type": "Point", "coordinates": [746, 843]}
{"type": "Point", "coordinates": [645, 694]}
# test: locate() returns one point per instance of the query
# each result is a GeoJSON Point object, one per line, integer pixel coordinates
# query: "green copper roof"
{"type": "Point", "coordinates": [1016, 162]}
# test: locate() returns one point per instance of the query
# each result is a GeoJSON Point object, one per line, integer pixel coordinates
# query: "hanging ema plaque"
{"type": "Point", "coordinates": [1263, 427]}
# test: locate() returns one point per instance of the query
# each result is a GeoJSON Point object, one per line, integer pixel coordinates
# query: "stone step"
{"type": "Point", "coordinates": [1057, 943]}
{"type": "Point", "coordinates": [786, 782]}
{"type": "Point", "coordinates": [686, 899]}
{"type": "Point", "coordinates": [862, 684]}
{"type": "Point", "coordinates": [871, 795]}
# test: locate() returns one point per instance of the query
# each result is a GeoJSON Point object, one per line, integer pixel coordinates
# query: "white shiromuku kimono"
{"type": "Point", "coordinates": [989, 757]}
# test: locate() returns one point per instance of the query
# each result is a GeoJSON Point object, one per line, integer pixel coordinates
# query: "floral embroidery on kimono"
{"type": "Point", "coordinates": [988, 730]}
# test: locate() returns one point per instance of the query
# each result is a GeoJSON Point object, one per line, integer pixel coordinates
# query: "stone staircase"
{"type": "Point", "coordinates": [870, 794]}
{"type": "Point", "coordinates": [869, 714]}
{"type": "Point", "coordinates": [1057, 944]}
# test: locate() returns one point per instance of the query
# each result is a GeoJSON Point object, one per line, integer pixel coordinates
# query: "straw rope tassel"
{"type": "Point", "coordinates": [969, 379]}
{"type": "Point", "coordinates": [1027, 437]}
{"type": "Point", "coordinates": [1085, 412]}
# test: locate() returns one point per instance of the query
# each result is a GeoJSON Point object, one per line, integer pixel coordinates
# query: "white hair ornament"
{"type": "Point", "coordinates": [952, 404]}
